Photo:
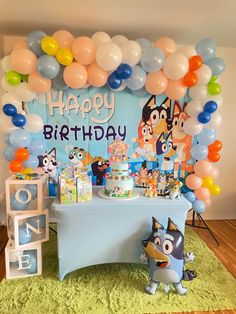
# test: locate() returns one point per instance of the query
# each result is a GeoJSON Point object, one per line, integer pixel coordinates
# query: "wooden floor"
{"type": "Point", "coordinates": [224, 230]}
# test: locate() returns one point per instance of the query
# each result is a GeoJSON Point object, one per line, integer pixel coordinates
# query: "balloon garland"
{"type": "Point", "coordinates": [61, 61]}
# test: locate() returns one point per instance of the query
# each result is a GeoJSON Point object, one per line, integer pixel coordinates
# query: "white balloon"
{"type": "Point", "coordinates": [6, 86]}
{"type": "Point", "coordinates": [6, 125]}
{"type": "Point", "coordinates": [217, 98]}
{"type": "Point", "coordinates": [24, 93]}
{"type": "Point", "coordinates": [100, 38]}
{"type": "Point", "coordinates": [6, 64]}
{"type": "Point", "coordinates": [189, 52]}
{"type": "Point", "coordinates": [204, 74]}
{"type": "Point", "coordinates": [215, 122]}
{"type": "Point", "coordinates": [194, 107]}
{"type": "Point", "coordinates": [108, 56]}
{"type": "Point", "coordinates": [119, 39]}
{"type": "Point", "coordinates": [192, 127]}
{"type": "Point", "coordinates": [131, 52]}
{"type": "Point", "coordinates": [34, 123]}
{"type": "Point", "coordinates": [198, 92]}
{"type": "Point", "coordinates": [9, 98]}
{"type": "Point", "coordinates": [176, 66]}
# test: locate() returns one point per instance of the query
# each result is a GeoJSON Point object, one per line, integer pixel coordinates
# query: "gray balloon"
{"type": "Point", "coordinates": [137, 79]}
{"type": "Point", "coordinates": [48, 66]}
{"type": "Point", "coordinates": [152, 59]}
{"type": "Point", "coordinates": [34, 42]}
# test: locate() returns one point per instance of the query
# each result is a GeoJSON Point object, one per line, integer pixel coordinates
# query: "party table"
{"type": "Point", "coordinates": [110, 231]}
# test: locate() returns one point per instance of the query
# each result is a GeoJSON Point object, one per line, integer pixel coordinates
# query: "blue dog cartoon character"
{"type": "Point", "coordinates": [165, 256]}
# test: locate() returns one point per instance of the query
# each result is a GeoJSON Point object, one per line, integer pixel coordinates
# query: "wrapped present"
{"type": "Point", "coordinates": [84, 187]}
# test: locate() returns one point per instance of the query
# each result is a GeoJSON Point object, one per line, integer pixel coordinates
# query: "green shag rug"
{"type": "Point", "coordinates": [118, 288]}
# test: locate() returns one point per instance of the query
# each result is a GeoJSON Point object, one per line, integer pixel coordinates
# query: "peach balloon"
{"type": "Point", "coordinates": [215, 173]}
{"type": "Point", "coordinates": [22, 43]}
{"type": "Point", "coordinates": [38, 83]}
{"type": "Point", "coordinates": [175, 89]}
{"type": "Point", "coordinates": [208, 203]}
{"type": "Point", "coordinates": [64, 38]}
{"type": "Point", "coordinates": [156, 83]}
{"type": "Point", "coordinates": [23, 61]}
{"type": "Point", "coordinates": [202, 194]}
{"type": "Point", "coordinates": [97, 76]}
{"type": "Point", "coordinates": [75, 75]}
{"type": "Point", "coordinates": [83, 50]}
{"type": "Point", "coordinates": [166, 44]}
{"type": "Point", "coordinates": [193, 181]}
{"type": "Point", "coordinates": [203, 168]}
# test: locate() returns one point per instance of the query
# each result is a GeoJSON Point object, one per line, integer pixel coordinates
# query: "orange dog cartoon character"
{"type": "Point", "coordinates": [180, 139]}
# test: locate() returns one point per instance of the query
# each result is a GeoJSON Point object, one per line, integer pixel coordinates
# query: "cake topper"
{"type": "Point", "coordinates": [118, 151]}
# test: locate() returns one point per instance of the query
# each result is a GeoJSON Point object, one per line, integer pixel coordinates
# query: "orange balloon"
{"type": "Point", "coordinates": [190, 79]}
{"type": "Point", "coordinates": [189, 168]}
{"type": "Point", "coordinates": [213, 156]}
{"type": "Point", "coordinates": [22, 43]}
{"type": "Point", "coordinates": [216, 146]}
{"type": "Point", "coordinates": [84, 50]}
{"type": "Point", "coordinates": [195, 62]}
{"type": "Point", "coordinates": [156, 83]}
{"type": "Point", "coordinates": [21, 154]}
{"type": "Point", "coordinates": [64, 38]}
{"type": "Point", "coordinates": [16, 166]}
{"type": "Point", "coordinates": [23, 61]}
{"type": "Point", "coordinates": [75, 75]}
{"type": "Point", "coordinates": [38, 83]}
{"type": "Point", "coordinates": [97, 76]}
{"type": "Point", "coordinates": [166, 44]}
{"type": "Point", "coordinates": [175, 89]}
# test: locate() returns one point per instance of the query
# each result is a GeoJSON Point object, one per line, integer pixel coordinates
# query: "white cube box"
{"type": "Point", "coordinates": [23, 262]}
{"type": "Point", "coordinates": [24, 196]}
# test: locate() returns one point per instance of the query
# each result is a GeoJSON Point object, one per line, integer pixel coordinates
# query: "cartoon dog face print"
{"type": "Point", "coordinates": [80, 157]}
{"type": "Point", "coordinates": [179, 118]}
{"type": "Point", "coordinates": [145, 131]}
{"type": "Point", "coordinates": [48, 163]}
{"type": "Point", "coordinates": [165, 146]}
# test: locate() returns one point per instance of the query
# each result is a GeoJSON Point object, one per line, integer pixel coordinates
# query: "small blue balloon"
{"type": "Point", "coordinates": [9, 110]}
{"type": "Point", "coordinates": [33, 264]}
{"type": "Point", "coordinates": [210, 106]}
{"type": "Point", "coordinates": [190, 196]}
{"type": "Point", "coordinates": [206, 48]}
{"type": "Point", "coordinates": [25, 236]}
{"type": "Point", "coordinates": [33, 190]}
{"type": "Point", "coordinates": [114, 81]}
{"type": "Point", "coordinates": [19, 120]}
{"type": "Point", "coordinates": [31, 162]}
{"type": "Point", "coordinates": [20, 138]}
{"type": "Point", "coordinates": [198, 206]}
{"type": "Point", "coordinates": [9, 153]}
{"type": "Point", "coordinates": [124, 71]}
{"type": "Point", "coordinates": [7, 139]}
{"type": "Point", "coordinates": [48, 66]}
{"type": "Point", "coordinates": [137, 79]}
{"type": "Point", "coordinates": [217, 65]}
{"type": "Point", "coordinates": [152, 59]}
{"type": "Point", "coordinates": [37, 147]}
{"type": "Point", "coordinates": [34, 42]}
{"type": "Point", "coordinates": [204, 117]}
{"type": "Point", "coordinates": [199, 152]}
{"type": "Point", "coordinates": [144, 43]}
{"type": "Point", "coordinates": [58, 82]}
{"type": "Point", "coordinates": [207, 136]}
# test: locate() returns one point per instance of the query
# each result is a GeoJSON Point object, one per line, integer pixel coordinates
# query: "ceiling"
{"type": "Point", "coordinates": [185, 21]}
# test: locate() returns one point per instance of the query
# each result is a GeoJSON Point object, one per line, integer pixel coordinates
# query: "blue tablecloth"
{"type": "Point", "coordinates": [109, 231]}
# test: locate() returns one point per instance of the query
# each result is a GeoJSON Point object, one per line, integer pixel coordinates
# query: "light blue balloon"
{"type": "Point", "coordinates": [9, 153]}
{"type": "Point", "coordinates": [198, 206]}
{"type": "Point", "coordinates": [31, 162]}
{"type": "Point", "coordinates": [144, 43]}
{"type": "Point", "coordinates": [24, 236]}
{"type": "Point", "coordinates": [207, 136]}
{"type": "Point", "coordinates": [16, 205]}
{"type": "Point", "coordinates": [34, 42]}
{"type": "Point", "coordinates": [152, 59]}
{"type": "Point", "coordinates": [206, 48]}
{"type": "Point", "coordinates": [48, 66]}
{"type": "Point", "coordinates": [199, 151]}
{"type": "Point", "coordinates": [20, 138]}
{"type": "Point", "coordinates": [33, 264]}
{"type": "Point", "coordinates": [140, 92]}
{"type": "Point", "coordinates": [217, 65]}
{"type": "Point", "coordinates": [37, 147]}
{"type": "Point", "coordinates": [58, 82]}
{"type": "Point", "coordinates": [33, 190]}
{"type": "Point", "coordinates": [7, 139]}
{"type": "Point", "coordinates": [190, 196]}
{"type": "Point", "coordinates": [137, 79]}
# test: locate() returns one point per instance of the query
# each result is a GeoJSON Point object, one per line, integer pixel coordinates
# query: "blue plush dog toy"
{"type": "Point", "coordinates": [164, 252]}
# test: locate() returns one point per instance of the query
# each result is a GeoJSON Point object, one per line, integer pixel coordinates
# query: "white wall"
{"type": "Point", "coordinates": [223, 206]}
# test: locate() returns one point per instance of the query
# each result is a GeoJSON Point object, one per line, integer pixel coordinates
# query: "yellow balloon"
{"type": "Point", "coordinates": [26, 172]}
{"type": "Point", "coordinates": [64, 56]}
{"type": "Point", "coordinates": [207, 182]}
{"type": "Point", "coordinates": [49, 45]}
{"type": "Point", "coordinates": [215, 190]}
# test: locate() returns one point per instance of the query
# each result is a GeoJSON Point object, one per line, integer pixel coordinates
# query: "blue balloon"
{"type": "Point", "coordinates": [7, 139]}
{"type": "Point", "coordinates": [199, 152]}
{"type": "Point", "coordinates": [20, 138]}
{"type": "Point", "coordinates": [9, 110]}
{"type": "Point", "coordinates": [48, 66]}
{"type": "Point", "coordinates": [33, 264]}
{"type": "Point", "coordinates": [152, 59]}
{"type": "Point", "coordinates": [31, 162]}
{"type": "Point", "coordinates": [124, 71]}
{"type": "Point", "coordinates": [207, 136]}
{"type": "Point", "coordinates": [114, 81]}
{"type": "Point", "coordinates": [210, 106]}
{"type": "Point", "coordinates": [37, 147]}
{"type": "Point", "coordinates": [19, 120]}
{"type": "Point", "coordinates": [16, 205]}
{"type": "Point", "coordinates": [190, 196]}
{"type": "Point", "coordinates": [33, 190]}
{"type": "Point", "coordinates": [9, 153]}
{"type": "Point", "coordinates": [137, 79]}
{"type": "Point", "coordinates": [58, 82]}
{"type": "Point", "coordinates": [206, 49]}
{"type": "Point", "coordinates": [217, 65]}
{"type": "Point", "coordinates": [144, 43]}
{"type": "Point", "coordinates": [198, 206]}
{"type": "Point", "coordinates": [25, 236]}
{"type": "Point", "coordinates": [34, 42]}
{"type": "Point", "coordinates": [185, 189]}
{"type": "Point", "coordinates": [204, 117]}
